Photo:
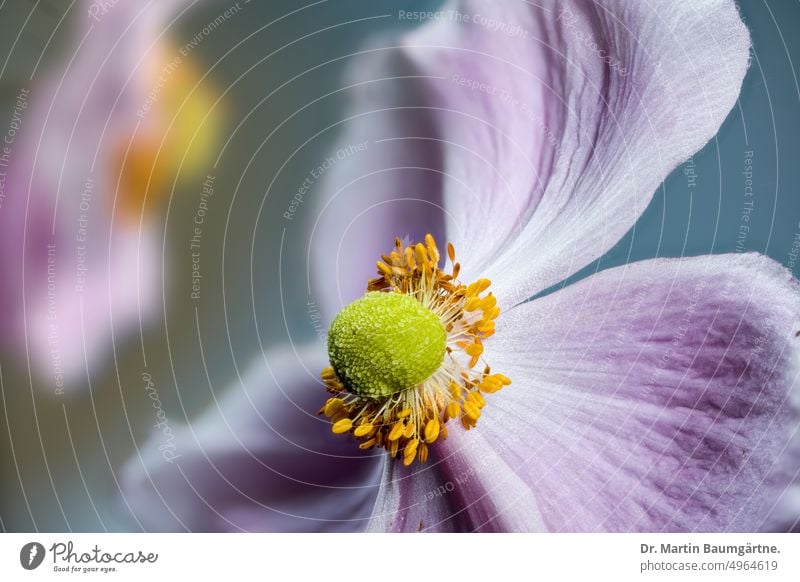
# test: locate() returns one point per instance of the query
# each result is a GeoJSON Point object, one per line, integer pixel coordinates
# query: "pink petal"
{"type": "Point", "coordinates": [413, 499]}
{"type": "Point", "coordinates": [576, 145]}
{"type": "Point", "coordinates": [258, 460]}
{"type": "Point", "coordinates": [550, 153]}
{"type": "Point", "coordinates": [469, 490]}
{"type": "Point", "coordinates": [657, 396]}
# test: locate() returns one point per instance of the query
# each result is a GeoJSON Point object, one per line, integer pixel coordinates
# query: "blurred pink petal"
{"type": "Point", "coordinates": [80, 255]}
{"type": "Point", "coordinates": [260, 459]}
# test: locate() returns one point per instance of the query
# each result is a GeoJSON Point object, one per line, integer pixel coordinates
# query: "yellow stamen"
{"type": "Point", "coordinates": [422, 256]}
{"type": "Point", "coordinates": [432, 431]}
{"type": "Point", "coordinates": [342, 426]}
{"type": "Point", "coordinates": [384, 268]}
{"type": "Point", "coordinates": [363, 430]}
{"type": "Point", "coordinates": [453, 410]}
{"type": "Point", "coordinates": [491, 313]}
{"type": "Point", "coordinates": [411, 448]}
{"type": "Point", "coordinates": [475, 349]}
{"type": "Point", "coordinates": [471, 410]}
{"type": "Point", "coordinates": [333, 405]}
{"type": "Point", "coordinates": [422, 453]}
{"type": "Point", "coordinates": [397, 431]}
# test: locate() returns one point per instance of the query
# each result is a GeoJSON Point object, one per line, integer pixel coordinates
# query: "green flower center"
{"type": "Point", "coordinates": [384, 343]}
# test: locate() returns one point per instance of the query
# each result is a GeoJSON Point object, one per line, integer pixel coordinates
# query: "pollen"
{"type": "Point", "coordinates": [408, 357]}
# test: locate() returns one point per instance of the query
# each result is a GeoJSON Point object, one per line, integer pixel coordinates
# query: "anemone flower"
{"type": "Point", "coordinates": [655, 396]}
{"type": "Point", "coordinates": [101, 138]}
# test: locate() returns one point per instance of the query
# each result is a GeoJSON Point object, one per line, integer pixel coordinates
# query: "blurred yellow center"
{"type": "Point", "coordinates": [175, 138]}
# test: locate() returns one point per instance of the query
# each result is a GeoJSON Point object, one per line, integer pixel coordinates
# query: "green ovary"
{"type": "Point", "coordinates": [384, 343]}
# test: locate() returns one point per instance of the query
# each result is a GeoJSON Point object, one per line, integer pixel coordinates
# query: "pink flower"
{"type": "Point", "coordinates": [658, 396]}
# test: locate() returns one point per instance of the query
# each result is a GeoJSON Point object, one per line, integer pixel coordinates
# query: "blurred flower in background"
{"type": "Point", "coordinates": [104, 136]}
{"type": "Point", "coordinates": [659, 396]}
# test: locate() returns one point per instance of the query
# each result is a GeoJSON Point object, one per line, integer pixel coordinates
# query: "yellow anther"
{"type": "Point", "coordinates": [453, 410]}
{"type": "Point", "coordinates": [363, 430]}
{"type": "Point", "coordinates": [477, 399]}
{"type": "Point", "coordinates": [491, 313]}
{"type": "Point", "coordinates": [488, 303]}
{"type": "Point", "coordinates": [333, 405]}
{"type": "Point", "coordinates": [455, 390]}
{"type": "Point", "coordinates": [339, 416]}
{"type": "Point", "coordinates": [367, 444]}
{"type": "Point", "coordinates": [505, 380]}
{"type": "Point", "coordinates": [422, 254]}
{"type": "Point", "coordinates": [384, 268]}
{"type": "Point", "coordinates": [328, 374]}
{"type": "Point", "coordinates": [471, 410]}
{"type": "Point", "coordinates": [451, 252]}
{"type": "Point", "coordinates": [493, 380]}
{"type": "Point", "coordinates": [475, 349]}
{"type": "Point", "coordinates": [397, 431]}
{"type": "Point", "coordinates": [472, 304]}
{"type": "Point", "coordinates": [490, 385]}
{"type": "Point", "coordinates": [432, 430]}
{"type": "Point", "coordinates": [411, 448]}
{"type": "Point", "coordinates": [409, 432]}
{"type": "Point", "coordinates": [342, 426]}
{"type": "Point", "coordinates": [394, 446]}
{"type": "Point", "coordinates": [478, 287]}
{"type": "Point", "coordinates": [485, 326]}
{"type": "Point", "coordinates": [422, 453]}
{"type": "Point", "coordinates": [410, 259]}
{"type": "Point", "coordinates": [433, 250]}
{"type": "Point", "coordinates": [404, 413]}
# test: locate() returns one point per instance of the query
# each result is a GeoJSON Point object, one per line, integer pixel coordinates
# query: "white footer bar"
{"type": "Point", "coordinates": [388, 557]}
